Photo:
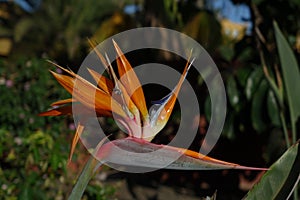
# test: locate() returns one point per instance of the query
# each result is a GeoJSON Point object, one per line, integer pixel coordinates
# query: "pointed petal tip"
{"type": "Point", "coordinates": [75, 140]}
{"type": "Point", "coordinates": [250, 168]}
{"type": "Point", "coordinates": [68, 71]}
{"type": "Point", "coordinates": [92, 43]}
{"type": "Point", "coordinates": [114, 42]}
{"type": "Point", "coordinates": [118, 49]}
{"type": "Point", "coordinates": [46, 114]}
{"type": "Point", "coordinates": [62, 102]}
{"type": "Point", "coordinates": [56, 75]}
{"type": "Point", "coordinates": [53, 63]}
{"type": "Point", "coordinates": [191, 63]}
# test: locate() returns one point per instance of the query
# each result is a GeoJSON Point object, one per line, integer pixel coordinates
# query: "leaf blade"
{"type": "Point", "coordinates": [290, 71]}
{"type": "Point", "coordinates": [257, 107]}
{"type": "Point", "coordinates": [273, 184]}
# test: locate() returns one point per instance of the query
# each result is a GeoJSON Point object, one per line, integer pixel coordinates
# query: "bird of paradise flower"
{"type": "Point", "coordinates": [123, 98]}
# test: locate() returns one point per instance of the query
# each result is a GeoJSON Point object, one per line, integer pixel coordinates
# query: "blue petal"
{"type": "Point", "coordinates": [162, 100]}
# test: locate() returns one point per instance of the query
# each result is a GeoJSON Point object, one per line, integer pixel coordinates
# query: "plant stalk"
{"type": "Point", "coordinates": [84, 178]}
{"type": "Point", "coordinates": [285, 131]}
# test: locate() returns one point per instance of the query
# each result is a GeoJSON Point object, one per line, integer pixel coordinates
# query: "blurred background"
{"type": "Point", "coordinates": [34, 150]}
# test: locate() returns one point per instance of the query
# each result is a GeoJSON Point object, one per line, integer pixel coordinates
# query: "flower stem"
{"type": "Point", "coordinates": [84, 178]}
{"type": "Point", "coordinates": [286, 134]}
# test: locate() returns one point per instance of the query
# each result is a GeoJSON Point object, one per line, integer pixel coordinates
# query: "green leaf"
{"type": "Point", "coordinates": [279, 181]}
{"type": "Point", "coordinates": [233, 93]}
{"type": "Point", "coordinates": [273, 109]}
{"type": "Point", "coordinates": [253, 82]}
{"type": "Point", "coordinates": [207, 108]}
{"type": "Point", "coordinates": [228, 129]}
{"type": "Point", "coordinates": [257, 2]}
{"type": "Point", "coordinates": [291, 74]}
{"type": "Point", "coordinates": [245, 55]}
{"type": "Point", "coordinates": [258, 105]}
{"type": "Point", "coordinates": [207, 33]}
{"type": "Point", "coordinates": [22, 28]}
{"type": "Point", "coordinates": [274, 146]}
{"type": "Point", "coordinates": [86, 175]}
{"type": "Point", "coordinates": [242, 75]}
{"type": "Point", "coordinates": [226, 52]}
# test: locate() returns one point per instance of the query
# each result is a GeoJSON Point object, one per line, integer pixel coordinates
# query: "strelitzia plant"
{"type": "Point", "coordinates": [123, 98]}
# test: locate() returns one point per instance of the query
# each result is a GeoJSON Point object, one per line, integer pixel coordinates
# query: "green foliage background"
{"type": "Point", "coordinates": [34, 150]}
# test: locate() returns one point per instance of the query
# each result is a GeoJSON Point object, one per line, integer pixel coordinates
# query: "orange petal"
{"type": "Point", "coordinates": [76, 137]}
{"type": "Point", "coordinates": [168, 107]}
{"type": "Point", "coordinates": [62, 102]}
{"type": "Point", "coordinates": [197, 155]}
{"type": "Point", "coordinates": [89, 95]}
{"type": "Point", "coordinates": [63, 69]}
{"type": "Point", "coordinates": [134, 121]}
{"type": "Point", "coordinates": [131, 83]}
{"type": "Point", "coordinates": [161, 114]}
{"type": "Point", "coordinates": [65, 110]}
{"type": "Point", "coordinates": [78, 108]}
{"type": "Point", "coordinates": [122, 97]}
{"type": "Point", "coordinates": [100, 56]}
{"type": "Point", "coordinates": [104, 83]}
